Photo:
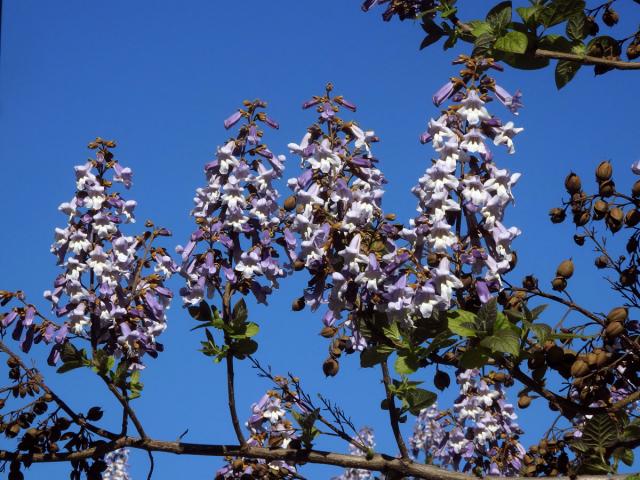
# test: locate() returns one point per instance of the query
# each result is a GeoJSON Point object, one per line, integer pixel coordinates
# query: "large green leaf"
{"type": "Point", "coordinates": [418, 399]}
{"type": "Point", "coordinates": [462, 323]}
{"type": "Point", "coordinates": [513, 42]}
{"type": "Point", "coordinates": [559, 11]}
{"type": "Point", "coordinates": [565, 71]}
{"type": "Point", "coordinates": [599, 433]}
{"type": "Point", "coordinates": [576, 26]}
{"type": "Point", "coordinates": [499, 16]}
{"type": "Point", "coordinates": [503, 341]}
{"type": "Point", "coordinates": [406, 365]}
{"type": "Point", "coordinates": [475, 357]}
{"type": "Point", "coordinates": [372, 356]}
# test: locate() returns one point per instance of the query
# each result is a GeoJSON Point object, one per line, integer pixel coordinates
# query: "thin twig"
{"type": "Point", "coordinates": [394, 417]}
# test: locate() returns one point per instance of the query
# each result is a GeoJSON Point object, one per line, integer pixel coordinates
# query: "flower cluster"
{"type": "Point", "coordinates": [335, 228]}
{"type": "Point", "coordinates": [366, 438]}
{"type": "Point", "coordinates": [106, 293]}
{"type": "Point", "coordinates": [237, 217]}
{"type": "Point", "coordinates": [463, 195]}
{"type": "Point", "coordinates": [117, 465]}
{"type": "Point", "coordinates": [479, 434]}
{"type": "Point", "coordinates": [268, 427]}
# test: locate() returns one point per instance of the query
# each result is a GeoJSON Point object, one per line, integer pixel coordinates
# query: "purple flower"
{"type": "Point", "coordinates": [232, 119]}
{"type": "Point", "coordinates": [443, 93]}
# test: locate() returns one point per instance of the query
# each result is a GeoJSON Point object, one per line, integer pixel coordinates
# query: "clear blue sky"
{"type": "Point", "coordinates": [160, 76]}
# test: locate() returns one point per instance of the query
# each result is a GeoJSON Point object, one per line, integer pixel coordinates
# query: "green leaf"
{"type": "Point", "coordinates": [500, 16]}
{"type": "Point", "coordinates": [418, 399]}
{"type": "Point", "coordinates": [599, 433]}
{"type": "Point", "coordinates": [462, 323]}
{"type": "Point", "coordinates": [252, 329]}
{"type": "Point", "coordinates": [559, 11]}
{"type": "Point", "coordinates": [576, 26]}
{"type": "Point", "coordinates": [240, 314]}
{"type": "Point", "coordinates": [514, 42]}
{"type": "Point", "coordinates": [625, 455]}
{"type": "Point", "coordinates": [372, 356]}
{"type": "Point", "coordinates": [475, 357]}
{"type": "Point", "coordinates": [201, 312]}
{"type": "Point", "coordinates": [479, 27]}
{"type": "Point", "coordinates": [406, 365]}
{"type": "Point", "coordinates": [522, 62]}
{"type": "Point", "coordinates": [392, 332]}
{"type": "Point", "coordinates": [503, 341]}
{"type": "Point", "coordinates": [529, 14]}
{"type": "Point", "coordinates": [70, 365]}
{"type": "Point", "coordinates": [554, 42]}
{"type": "Point", "coordinates": [487, 315]}
{"type": "Point", "coordinates": [242, 348]}
{"type": "Point", "coordinates": [565, 71]}
{"type": "Point", "coordinates": [542, 331]}
{"type": "Point", "coordinates": [483, 43]}
{"type": "Point", "coordinates": [535, 313]}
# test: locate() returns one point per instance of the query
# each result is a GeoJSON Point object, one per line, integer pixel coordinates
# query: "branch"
{"type": "Point", "coordinates": [125, 405]}
{"type": "Point", "coordinates": [378, 463]}
{"type": "Point", "coordinates": [587, 60]}
{"type": "Point", "coordinates": [37, 377]}
{"type": "Point", "coordinates": [393, 412]}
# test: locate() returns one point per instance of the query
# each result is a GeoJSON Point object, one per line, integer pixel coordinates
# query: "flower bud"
{"type": "Point", "coordinates": [530, 282]}
{"type": "Point", "coordinates": [578, 239]}
{"type": "Point", "coordinates": [579, 369]}
{"type": "Point", "coordinates": [632, 218]}
{"type": "Point", "coordinates": [629, 276]}
{"type": "Point", "coordinates": [604, 171]}
{"type": "Point", "coordinates": [433, 260]}
{"type": "Point", "coordinates": [555, 356]}
{"type": "Point", "coordinates": [565, 269]}
{"type": "Point", "coordinates": [390, 216]}
{"type": "Point", "coordinates": [600, 209]}
{"type": "Point", "coordinates": [557, 215]}
{"type": "Point", "coordinates": [290, 203]}
{"type": "Point", "coordinates": [607, 188]}
{"type": "Point", "coordinates": [558, 284]}
{"type": "Point", "coordinates": [614, 329]}
{"type": "Point", "coordinates": [441, 380]}
{"type": "Point", "coordinates": [298, 265]}
{"type": "Point", "coordinates": [572, 183]}
{"type": "Point", "coordinates": [618, 314]}
{"type": "Point", "coordinates": [602, 261]}
{"type": "Point", "coordinates": [610, 17]}
{"type": "Point", "coordinates": [524, 401]}
{"type": "Point", "coordinates": [330, 367]}
{"type": "Point", "coordinates": [298, 304]}
{"type": "Point", "coordinates": [581, 218]}
{"type": "Point", "coordinates": [328, 332]}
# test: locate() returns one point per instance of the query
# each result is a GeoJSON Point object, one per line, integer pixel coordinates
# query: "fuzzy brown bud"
{"type": "Point", "coordinates": [604, 171]}
{"type": "Point", "coordinates": [290, 203]}
{"type": "Point", "coordinates": [618, 314]}
{"type": "Point", "coordinates": [328, 332]}
{"type": "Point", "coordinates": [330, 367]}
{"type": "Point", "coordinates": [530, 282]}
{"type": "Point", "coordinates": [557, 215]}
{"type": "Point", "coordinates": [558, 284]}
{"type": "Point", "coordinates": [600, 209]}
{"type": "Point", "coordinates": [602, 261]}
{"type": "Point", "coordinates": [298, 304]}
{"type": "Point", "coordinates": [565, 269]}
{"type": "Point", "coordinates": [579, 369]}
{"type": "Point", "coordinates": [524, 401]}
{"type": "Point", "coordinates": [572, 183]}
{"type": "Point", "coordinates": [610, 17]}
{"type": "Point", "coordinates": [578, 239]}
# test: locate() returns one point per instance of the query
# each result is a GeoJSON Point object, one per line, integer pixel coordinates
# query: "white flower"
{"type": "Point", "coordinates": [504, 135]}
{"type": "Point", "coordinates": [78, 242]}
{"type": "Point", "coordinates": [225, 157]}
{"type": "Point", "coordinates": [99, 261]}
{"type": "Point", "coordinates": [362, 138]}
{"type": "Point", "coordinates": [473, 110]}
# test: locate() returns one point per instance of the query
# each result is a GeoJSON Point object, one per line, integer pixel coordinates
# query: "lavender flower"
{"type": "Point", "coordinates": [367, 439]}
{"type": "Point", "coordinates": [117, 465]}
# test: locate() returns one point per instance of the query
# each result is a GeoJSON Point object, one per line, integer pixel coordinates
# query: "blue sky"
{"type": "Point", "coordinates": [160, 76]}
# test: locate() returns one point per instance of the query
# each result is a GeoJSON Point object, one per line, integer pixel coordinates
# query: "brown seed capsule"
{"type": "Point", "coordinates": [604, 171]}
{"type": "Point", "coordinates": [579, 239]}
{"type": "Point", "coordinates": [592, 359]}
{"type": "Point", "coordinates": [592, 26]}
{"type": "Point", "coordinates": [632, 218]}
{"type": "Point", "coordinates": [602, 261]}
{"type": "Point", "coordinates": [433, 259]}
{"type": "Point", "coordinates": [600, 209]}
{"type": "Point", "coordinates": [579, 369]}
{"type": "Point", "coordinates": [557, 215]}
{"type": "Point", "coordinates": [633, 51]}
{"type": "Point", "coordinates": [290, 203]}
{"type": "Point", "coordinates": [530, 282]}
{"type": "Point", "coordinates": [635, 190]}
{"type": "Point", "coordinates": [390, 216]}
{"type": "Point", "coordinates": [572, 183]}
{"type": "Point", "coordinates": [618, 314]}
{"type": "Point", "coordinates": [328, 332]}
{"type": "Point", "coordinates": [565, 269]}
{"type": "Point", "coordinates": [607, 188]}
{"type": "Point", "coordinates": [601, 358]}
{"type": "Point", "coordinates": [610, 17]}
{"type": "Point", "coordinates": [298, 304]}
{"type": "Point", "coordinates": [524, 401]}
{"type": "Point", "coordinates": [330, 367]}
{"type": "Point", "coordinates": [558, 284]}
{"type": "Point", "coordinates": [499, 377]}
{"type": "Point", "coordinates": [581, 218]}
{"type": "Point", "coordinates": [298, 265]}
{"type": "Point", "coordinates": [555, 356]}
{"type": "Point", "coordinates": [441, 380]}
{"type": "Point", "coordinates": [614, 329]}
{"type": "Point", "coordinates": [629, 276]}
{"type": "Point", "coordinates": [537, 360]}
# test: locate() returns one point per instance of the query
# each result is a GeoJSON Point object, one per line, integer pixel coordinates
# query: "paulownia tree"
{"type": "Point", "coordinates": [434, 292]}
